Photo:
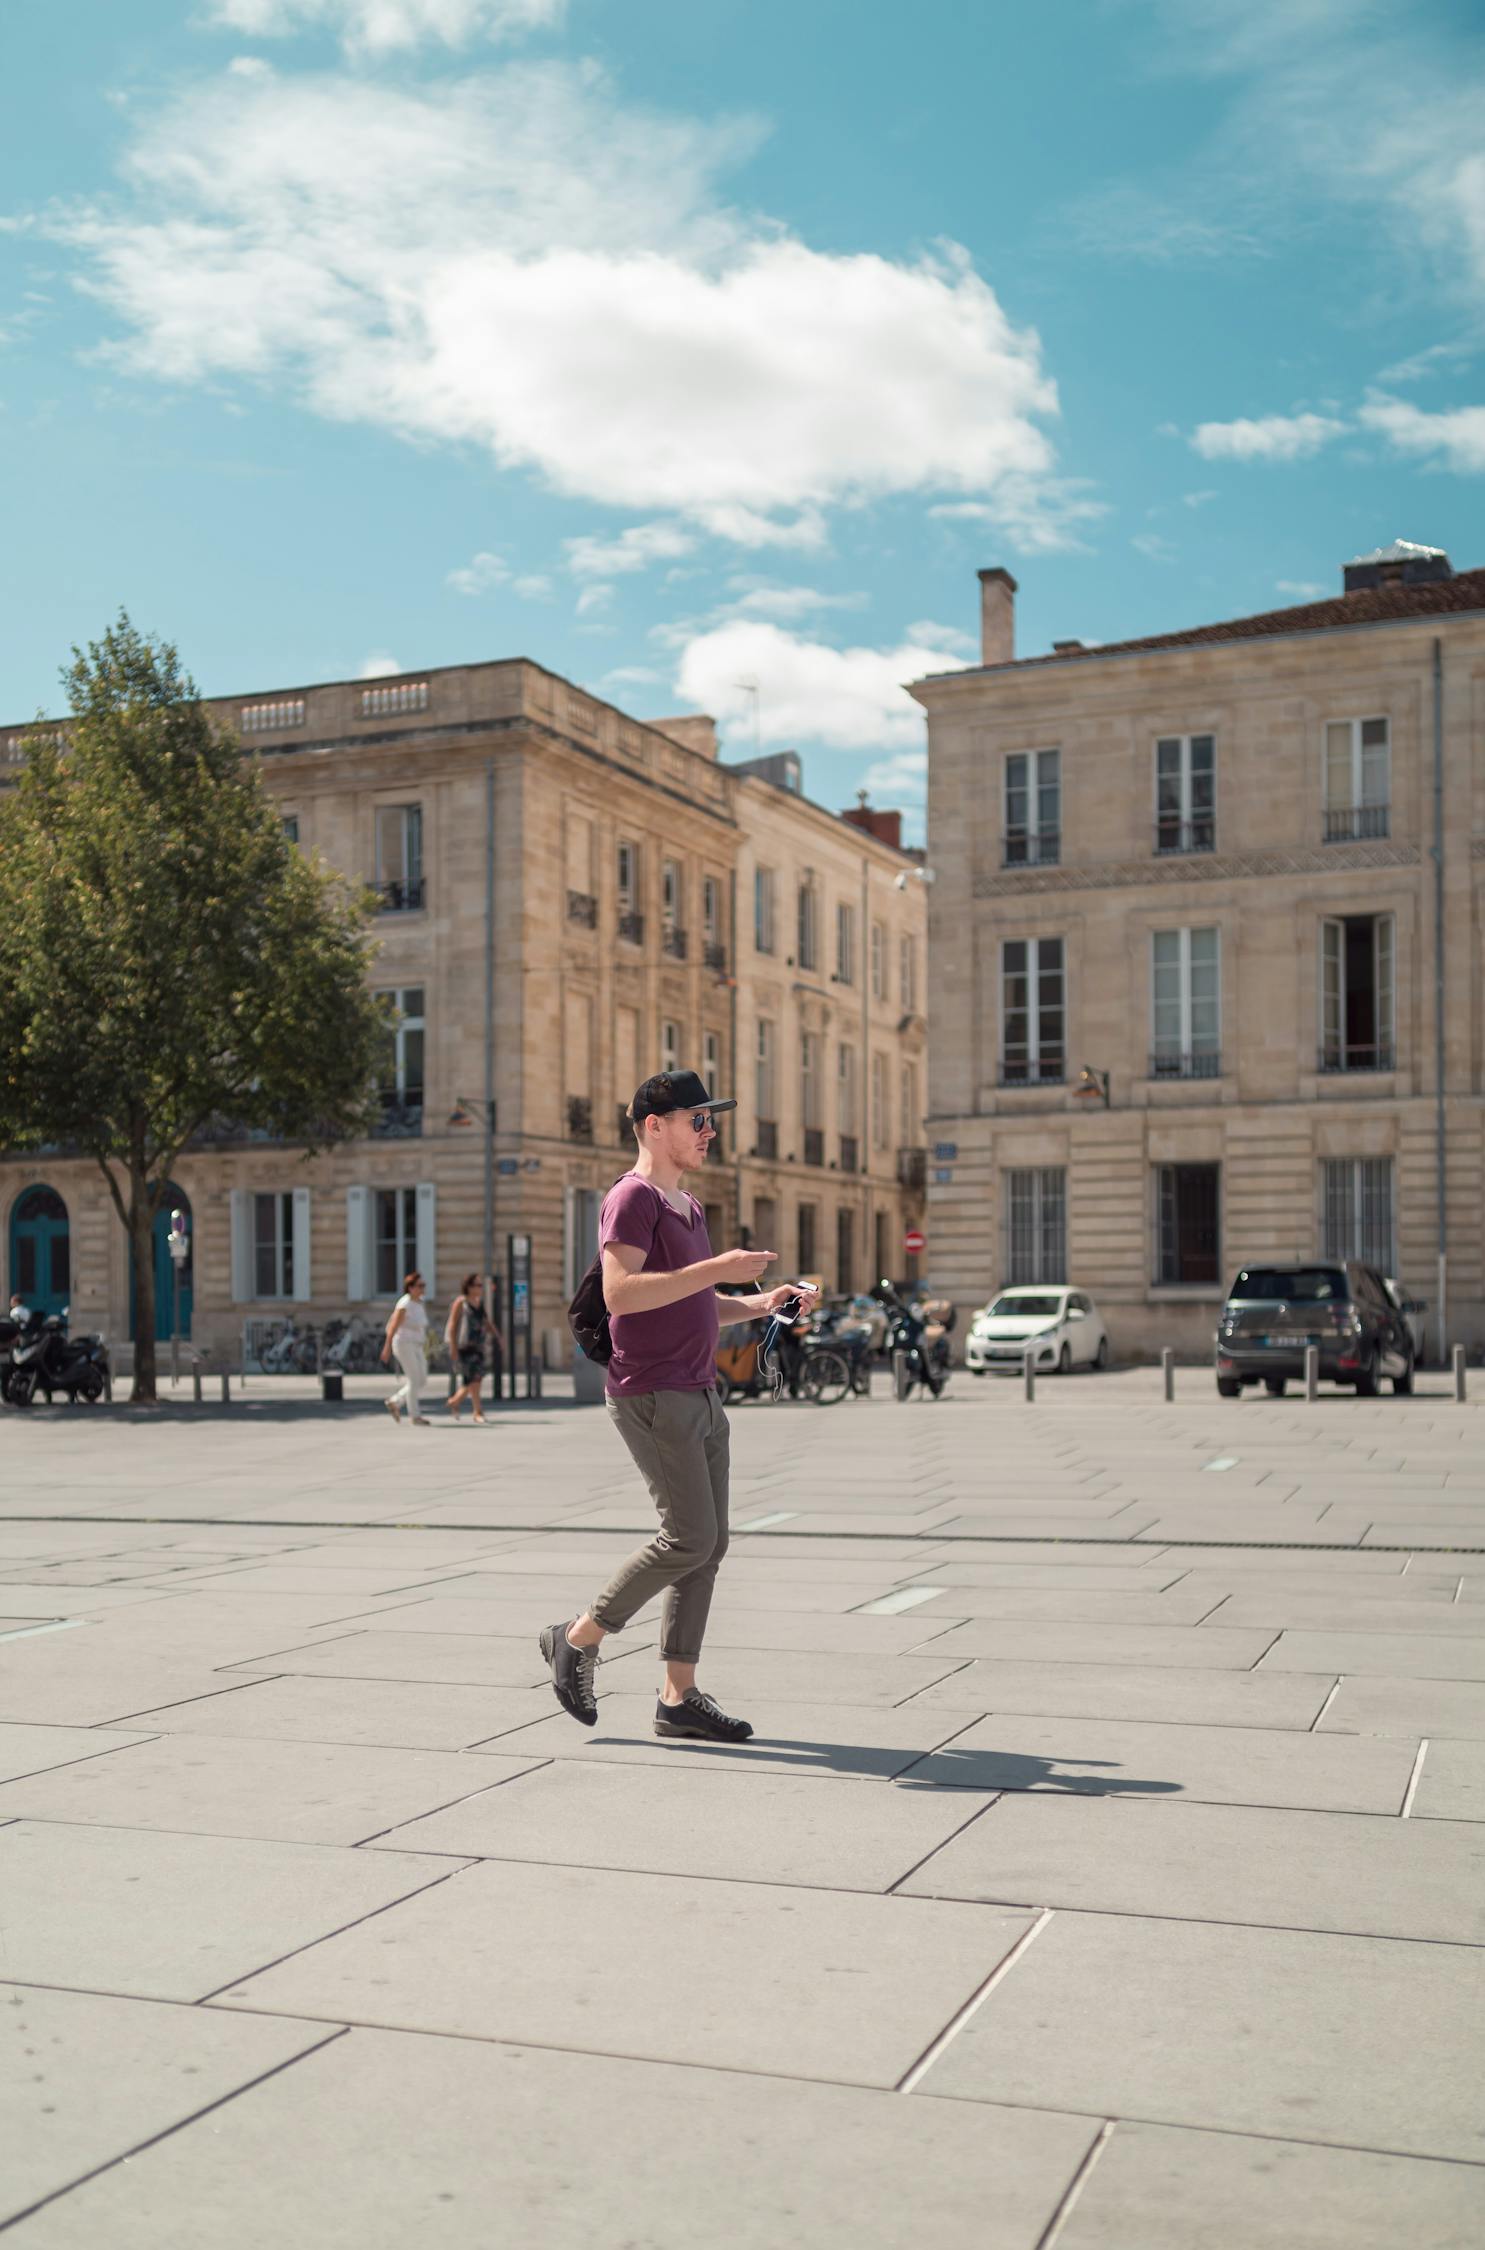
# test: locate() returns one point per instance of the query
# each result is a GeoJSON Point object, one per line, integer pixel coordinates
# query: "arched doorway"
{"type": "Point", "coordinates": [41, 1249]}
{"type": "Point", "coordinates": [165, 1279]}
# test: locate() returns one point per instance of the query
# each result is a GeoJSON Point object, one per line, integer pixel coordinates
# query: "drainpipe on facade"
{"type": "Point", "coordinates": [1441, 1152]}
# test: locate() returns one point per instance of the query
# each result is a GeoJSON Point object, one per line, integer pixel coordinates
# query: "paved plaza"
{"type": "Point", "coordinates": [1107, 1872]}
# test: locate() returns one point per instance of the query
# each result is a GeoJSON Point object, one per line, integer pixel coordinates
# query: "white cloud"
{"type": "Point", "coordinates": [591, 555]}
{"type": "Point", "coordinates": [1429, 362]}
{"type": "Point", "coordinates": [783, 603]}
{"type": "Point", "coordinates": [1197, 499]}
{"type": "Point", "coordinates": [1038, 515]}
{"type": "Point", "coordinates": [1154, 547]}
{"type": "Point", "coordinates": [479, 574]}
{"type": "Point", "coordinates": [633, 675]}
{"type": "Point", "coordinates": [515, 260]}
{"type": "Point", "coordinates": [533, 586]}
{"type": "Point", "coordinates": [1455, 437]}
{"type": "Point", "coordinates": [593, 599]}
{"type": "Point", "coordinates": [841, 698]}
{"type": "Point", "coordinates": [379, 666]}
{"type": "Point", "coordinates": [1272, 437]}
{"type": "Point", "coordinates": [381, 27]}
{"type": "Point", "coordinates": [1303, 589]}
{"type": "Point", "coordinates": [901, 780]}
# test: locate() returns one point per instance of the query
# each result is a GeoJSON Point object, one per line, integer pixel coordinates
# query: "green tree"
{"type": "Point", "coordinates": [167, 957]}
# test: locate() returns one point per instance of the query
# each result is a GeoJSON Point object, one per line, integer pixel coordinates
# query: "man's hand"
{"type": "Point", "coordinates": [772, 1299]}
{"type": "Point", "coordinates": [742, 1265]}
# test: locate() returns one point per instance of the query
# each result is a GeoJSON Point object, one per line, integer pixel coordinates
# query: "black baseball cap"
{"type": "Point", "coordinates": [673, 1089]}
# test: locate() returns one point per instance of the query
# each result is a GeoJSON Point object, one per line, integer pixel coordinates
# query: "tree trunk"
{"type": "Point", "coordinates": [141, 1240]}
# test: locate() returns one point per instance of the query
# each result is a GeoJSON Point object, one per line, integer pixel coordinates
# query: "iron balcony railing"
{"type": "Point", "coordinates": [814, 1145]}
{"type": "Point", "coordinates": [402, 1115]}
{"type": "Point", "coordinates": [1174, 837]}
{"type": "Point", "coordinates": [582, 907]}
{"type": "Point", "coordinates": [1351, 824]}
{"type": "Point", "coordinates": [1033, 1070]}
{"type": "Point", "coordinates": [850, 1152]}
{"type": "Point", "coordinates": [768, 1139]}
{"type": "Point", "coordinates": [1206, 1063]}
{"type": "Point", "coordinates": [632, 928]}
{"type": "Point", "coordinates": [674, 942]}
{"type": "Point", "coordinates": [912, 1169]}
{"type": "Point", "coordinates": [579, 1118]}
{"type": "Point", "coordinates": [1031, 847]}
{"type": "Point", "coordinates": [400, 894]}
{"type": "Point", "coordinates": [1378, 1056]}
{"type": "Point", "coordinates": [714, 956]}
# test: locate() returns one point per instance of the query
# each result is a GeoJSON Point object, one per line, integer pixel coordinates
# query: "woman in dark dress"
{"type": "Point", "coordinates": [467, 1333]}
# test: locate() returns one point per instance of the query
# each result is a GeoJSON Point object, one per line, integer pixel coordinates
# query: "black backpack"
{"type": "Point", "coordinates": [587, 1315]}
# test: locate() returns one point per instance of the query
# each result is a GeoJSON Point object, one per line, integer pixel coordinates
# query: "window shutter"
{"type": "Point", "coordinates": [302, 1290]}
{"type": "Point", "coordinates": [357, 1243]}
{"type": "Point", "coordinates": [241, 1221]}
{"type": "Point", "coordinates": [426, 1233]}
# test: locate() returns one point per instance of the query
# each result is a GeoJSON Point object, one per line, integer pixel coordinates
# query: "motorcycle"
{"type": "Point", "coordinates": [45, 1358]}
{"type": "Point", "coordinates": [925, 1356]}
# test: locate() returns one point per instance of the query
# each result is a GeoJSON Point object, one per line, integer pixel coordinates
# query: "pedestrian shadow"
{"type": "Point", "coordinates": [934, 1770]}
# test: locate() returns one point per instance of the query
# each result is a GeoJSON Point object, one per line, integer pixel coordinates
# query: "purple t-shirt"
{"type": "Point", "coordinates": [673, 1348]}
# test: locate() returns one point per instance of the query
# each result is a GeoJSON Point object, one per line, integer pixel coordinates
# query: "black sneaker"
{"type": "Point", "coordinates": [572, 1673]}
{"type": "Point", "coordinates": [698, 1719]}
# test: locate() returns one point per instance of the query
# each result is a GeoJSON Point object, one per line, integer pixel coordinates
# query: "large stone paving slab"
{"type": "Point", "coordinates": [1184, 1647]}
{"type": "Point", "coordinates": [447, 1659]}
{"type": "Point", "coordinates": [820, 1740]}
{"type": "Point", "coordinates": [172, 1917]}
{"type": "Point", "coordinates": [520, 2146]}
{"type": "Point", "coordinates": [1451, 1784]}
{"type": "Point", "coordinates": [33, 1749]}
{"type": "Point", "coordinates": [741, 1976]}
{"type": "Point", "coordinates": [1413, 1656]}
{"type": "Point", "coordinates": [1407, 1708]}
{"type": "Point", "coordinates": [1164, 1856]}
{"type": "Point", "coordinates": [85, 2078]}
{"type": "Point", "coordinates": [400, 1714]}
{"type": "Point", "coordinates": [756, 1826]}
{"type": "Point", "coordinates": [1218, 1765]}
{"type": "Point", "coordinates": [1132, 1691]}
{"type": "Point", "coordinates": [1371, 2043]}
{"type": "Point", "coordinates": [1157, 2187]}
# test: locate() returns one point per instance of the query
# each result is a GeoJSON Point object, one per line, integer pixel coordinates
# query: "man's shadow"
{"type": "Point", "coordinates": [949, 1768]}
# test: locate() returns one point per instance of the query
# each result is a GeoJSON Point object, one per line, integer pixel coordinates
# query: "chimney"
{"type": "Point", "coordinates": [997, 617]}
{"type": "Point", "coordinates": [885, 826]}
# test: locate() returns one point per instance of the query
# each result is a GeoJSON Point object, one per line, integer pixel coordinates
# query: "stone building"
{"type": "Point", "coordinates": [1205, 943]}
{"type": "Point", "coordinates": [568, 903]}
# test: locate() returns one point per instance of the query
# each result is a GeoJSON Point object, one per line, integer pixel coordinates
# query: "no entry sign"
{"type": "Point", "coordinates": [913, 1241]}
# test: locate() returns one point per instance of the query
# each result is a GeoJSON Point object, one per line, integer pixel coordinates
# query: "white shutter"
{"type": "Point", "coordinates": [357, 1244]}
{"type": "Point", "coordinates": [302, 1290]}
{"type": "Point", "coordinates": [241, 1245]}
{"type": "Point", "coordinates": [426, 1233]}
{"type": "Point", "coordinates": [569, 1241]}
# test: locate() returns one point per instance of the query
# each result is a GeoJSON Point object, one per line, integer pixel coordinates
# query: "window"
{"type": "Point", "coordinates": [395, 1237]}
{"type": "Point", "coordinates": [1033, 808]}
{"type": "Point", "coordinates": [908, 1118]}
{"type": "Point", "coordinates": [670, 1047]}
{"type": "Point", "coordinates": [763, 903]}
{"type": "Point", "coordinates": [290, 825]}
{"type": "Point", "coordinates": [882, 1244]}
{"type": "Point", "coordinates": [1186, 1004]}
{"type": "Point", "coordinates": [399, 857]}
{"type": "Point", "coordinates": [808, 954]}
{"type": "Point", "coordinates": [878, 962]}
{"type": "Point", "coordinates": [627, 874]}
{"type": "Point", "coordinates": [879, 1133]}
{"type": "Point", "coordinates": [402, 1078]}
{"type": "Point", "coordinates": [845, 944]}
{"type": "Point", "coordinates": [1036, 1225]}
{"type": "Point", "coordinates": [811, 1096]}
{"type": "Point", "coordinates": [711, 910]}
{"type": "Point", "coordinates": [1186, 1229]}
{"type": "Point", "coordinates": [765, 1223]}
{"type": "Point", "coordinates": [273, 1245]}
{"type": "Point", "coordinates": [711, 1055]}
{"type": "Point", "coordinates": [846, 1089]}
{"type": "Point", "coordinates": [671, 895]}
{"type": "Point", "coordinates": [1358, 1210]}
{"type": "Point", "coordinates": [907, 971]}
{"type": "Point", "coordinates": [807, 1217]}
{"type": "Point", "coordinates": [763, 1084]}
{"type": "Point", "coordinates": [1356, 992]}
{"type": "Point", "coordinates": [845, 1249]}
{"type": "Point", "coordinates": [1358, 779]}
{"type": "Point", "coordinates": [1033, 1005]}
{"type": "Point", "coordinates": [1186, 793]}
{"type": "Point", "coordinates": [582, 1234]}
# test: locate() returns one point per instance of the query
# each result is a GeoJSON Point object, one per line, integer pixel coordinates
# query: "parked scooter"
{"type": "Point", "coordinates": [45, 1358]}
{"type": "Point", "coordinates": [908, 1331]}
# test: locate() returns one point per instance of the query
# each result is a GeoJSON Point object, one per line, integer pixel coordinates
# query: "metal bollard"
{"type": "Point", "coordinates": [1312, 1372]}
{"type": "Point", "coordinates": [1029, 1365]}
{"type": "Point", "coordinates": [226, 1388]}
{"type": "Point", "coordinates": [899, 1375]}
{"type": "Point", "coordinates": [533, 1384]}
{"type": "Point", "coordinates": [1459, 1384]}
{"type": "Point", "coordinates": [1168, 1370]}
{"type": "Point", "coordinates": [196, 1383]}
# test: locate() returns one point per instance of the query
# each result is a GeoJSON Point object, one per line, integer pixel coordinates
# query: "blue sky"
{"type": "Point", "coordinates": [683, 346]}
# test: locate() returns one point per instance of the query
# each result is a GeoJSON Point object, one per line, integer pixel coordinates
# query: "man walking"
{"type": "Point", "coordinates": [660, 1284]}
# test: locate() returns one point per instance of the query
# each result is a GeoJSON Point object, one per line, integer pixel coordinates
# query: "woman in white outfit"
{"type": "Point", "coordinates": [407, 1341]}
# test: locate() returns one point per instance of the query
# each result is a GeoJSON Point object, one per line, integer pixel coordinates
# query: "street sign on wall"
{"type": "Point", "coordinates": [913, 1241]}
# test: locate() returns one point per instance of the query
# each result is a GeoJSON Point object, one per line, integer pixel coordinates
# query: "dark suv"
{"type": "Point", "coordinates": [1273, 1312]}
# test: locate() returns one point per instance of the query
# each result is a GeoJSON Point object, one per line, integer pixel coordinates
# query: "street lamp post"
{"type": "Point", "coordinates": [1092, 1086]}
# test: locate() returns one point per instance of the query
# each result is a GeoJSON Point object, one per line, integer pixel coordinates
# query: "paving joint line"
{"type": "Point", "coordinates": [913, 2078]}
{"type": "Point", "coordinates": [205, 1999]}
{"type": "Point", "coordinates": [1334, 1691]}
{"type": "Point", "coordinates": [1413, 1780]}
{"type": "Point", "coordinates": [894, 1890]}
{"type": "Point", "coordinates": [1047, 2239]}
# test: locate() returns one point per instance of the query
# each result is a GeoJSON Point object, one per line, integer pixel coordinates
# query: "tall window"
{"type": "Point", "coordinates": [1036, 1225]}
{"type": "Point", "coordinates": [1358, 1210]}
{"type": "Point", "coordinates": [711, 1057]}
{"type": "Point", "coordinates": [845, 1248]}
{"type": "Point", "coordinates": [290, 824]}
{"type": "Point", "coordinates": [1186, 1004]}
{"type": "Point", "coordinates": [1356, 992]}
{"type": "Point", "coordinates": [878, 962]}
{"type": "Point", "coordinates": [763, 1082]}
{"type": "Point", "coordinates": [1186, 1222]}
{"type": "Point", "coordinates": [809, 936]}
{"type": "Point", "coordinates": [395, 1241]}
{"type": "Point", "coordinates": [907, 965]}
{"type": "Point", "coordinates": [845, 943]}
{"type": "Point", "coordinates": [763, 909]}
{"type": "Point", "coordinates": [671, 895]}
{"type": "Point", "coordinates": [1033, 808]}
{"type": "Point", "coordinates": [670, 1047]}
{"type": "Point", "coordinates": [808, 1213]}
{"type": "Point", "coordinates": [1033, 1012]}
{"type": "Point", "coordinates": [845, 1105]}
{"type": "Point", "coordinates": [879, 1133]}
{"type": "Point", "coordinates": [711, 910]}
{"type": "Point", "coordinates": [273, 1245]}
{"type": "Point", "coordinates": [1358, 778]}
{"type": "Point", "coordinates": [810, 1090]}
{"type": "Point", "coordinates": [399, 857]}
{"type": "Point", "coordinates": [402, 1080]}
{"type": "Point", "coordinates": [1186, 793]}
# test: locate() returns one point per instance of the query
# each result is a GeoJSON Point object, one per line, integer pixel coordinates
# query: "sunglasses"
{"type": "Point", "coordinates": [700, 1120]}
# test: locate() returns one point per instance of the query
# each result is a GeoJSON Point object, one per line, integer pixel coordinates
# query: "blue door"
{"type": "Point", "coordinates": [165, 1270]}
{"type": "Point", "coordinates": [41, 1250]}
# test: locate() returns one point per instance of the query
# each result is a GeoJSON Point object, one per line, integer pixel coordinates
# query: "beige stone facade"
{"type": "Point", "coordinates": [613, 865]}
{"type": "Point", "coordinates": [1247, 957]}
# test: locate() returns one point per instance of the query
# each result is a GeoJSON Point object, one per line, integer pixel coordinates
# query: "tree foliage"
{"type": "Point", "coordinates": [167, 957]}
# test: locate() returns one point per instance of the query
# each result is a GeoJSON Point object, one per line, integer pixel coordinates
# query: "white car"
{"type": "Point", "coordinates": [1060, 1327]}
